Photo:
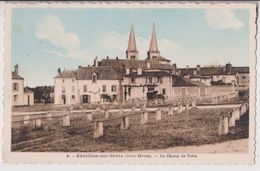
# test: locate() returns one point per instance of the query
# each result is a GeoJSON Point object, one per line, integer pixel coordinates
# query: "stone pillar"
{"type": "Point", "coordinates": [106, 113]}
{"type": "Point", "coordinates": [144, 117]}
{"type": "Point", "coordinates": [133, 108]}
{"type": "Point", "coordinates": [120, 111]}
{"type": "Point", "coordinates": [66, 120]}
{"type": "Point", "coordinates": [38, 123]}
{"type": "Point", "coordinates": [170, 111]}
{"type": "Point", "coordinates": [179, 108]}
{"type": "Point", "coordinates": [98, 132]}
{"type": "Point", "coordinates": [237, 114]}
{"type": "Point", "coordinates": [26, 119]}
{"type": "Point", "coordinates": [158, 114]}
{"type": "Point", "coordinates": [49, 116]}
{"type": "Point", "coordinates": [187, 106]}
{"type": "Point", "coordinates": [220, 126]}
{"type": "Point", "coordinates": [89, 117]}
{"type": "Point", "coordinates": [232, 121]}
{"type": "Point", "coordinates": [193, 103]}
{"type": "Point", "coordinates": [124, 122]}
{"type": "Point", "coordinates": [225, 125]}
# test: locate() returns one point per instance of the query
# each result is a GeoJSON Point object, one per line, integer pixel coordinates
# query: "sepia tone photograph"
{"type": "Point", "coordinates": [130, 81]}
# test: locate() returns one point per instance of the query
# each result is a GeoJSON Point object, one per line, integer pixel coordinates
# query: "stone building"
{"type": "Point", "coordinates": [21, 96]}
{"type": "Point", "coordinates": [132, 77]}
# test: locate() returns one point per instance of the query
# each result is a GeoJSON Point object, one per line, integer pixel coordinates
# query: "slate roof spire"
{"type": "Point", "coordinates": [131, 52]}
{"type": "Point", "coordinates": [153, 50]}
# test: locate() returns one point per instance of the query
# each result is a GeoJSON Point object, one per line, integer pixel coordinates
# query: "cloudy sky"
{"type": "Point", "coordinates": [45, 39]}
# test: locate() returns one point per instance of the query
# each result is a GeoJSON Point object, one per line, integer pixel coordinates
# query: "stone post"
{"type": "Point", "coordinates": [38, 123]}
{"type": "Point", "coordinates": [124, 123]}
{"type": "Point", "coordinates": [66, 120]}
{"type": "Point", "coordinates": [232, 121]}
{"type": "Point", "coordinates": [225, 125]}
{"type": "Point", "coordinates": [158, 114]}
{"type": "Point", "coordinates": [179, 108]}
{"type": "Point", "coordinates": [49, 116]}
{"type": "Point", "coordinates": [89, 117]}
{"type": "Point", "coordinates": [187, 106]}
{"type": "Point", "coordinates": [144, 117]}
{"type": "Point", "coordinates": [170, 111]}
{"type": "Point", "coordinates": [106, 113]}
{"type": "Point", "coordinates": [220, 126]}
{"type": "Point", "coordinates": [193, 103]}
{"type": "Point", "coordinates": [237, 114]}
{"type": "Point", "coordinates": [26, 119]}
{"type": "Point", "coordinates": [98, 132]}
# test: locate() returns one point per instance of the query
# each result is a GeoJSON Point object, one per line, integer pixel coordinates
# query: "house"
{"type": "Point", "coordinates": [21, 96]}
{"type": "Point", "coordinates": [132, 78]}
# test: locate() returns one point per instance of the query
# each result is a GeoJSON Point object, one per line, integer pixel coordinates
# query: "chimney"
{"type": "Point", "coordinates": [59, 71]}
{"type": "Point", "coordinates": [96, 62]}
{"type": "Point", "coordinates": [117, 58]}
{"type": "Point", "coordinates": [139, 71]}
{"type": "Point", "coordinates": [198, 68]}
{"type": "Point", "coordinates": [107, 57]}
{"type": "Point", "coordinates": [187, 66]}
{"type": "Point", "coordinates": [79, 66]}
{"type": "Point", "coordinates": [148, 64]}
{"type": "Point", "coordinates": [228, 67]}
{"type": "Point", "coordinates": [16, 68]}
{"type": "Point", "coordinates": [127, 71]}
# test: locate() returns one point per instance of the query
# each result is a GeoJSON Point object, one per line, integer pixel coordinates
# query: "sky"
{"type": "Point", "coordinates": [45, 39]}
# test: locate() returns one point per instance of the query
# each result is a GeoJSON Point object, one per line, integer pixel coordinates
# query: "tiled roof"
{"type": "Point", "coordinates": [179, 81]}
{"type": "Point", "coordinates": [85, 73]}
{"type": "Point", "coordinates": [27, 90]}
{"type": "Point", "coordinates": [16, 76]}
{"type": "Point", "coordinates": [134, 64]}
{"type": "Point", "coordinates": [154, 73]}
{"type": "Point", "coordinates": [103, 73]}
{"type": "Point", "coordinates": [206, 71]}
{"type": "Point", "coordinates": [161, 58]}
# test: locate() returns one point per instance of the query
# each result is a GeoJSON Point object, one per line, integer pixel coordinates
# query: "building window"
{"type": "Point", "coordinates": [15, 86]}
{"type": "Point", "coordinates": [85, 88]}
{"type": "Point", "coordinates": [72, 88]}
{"type": "Point", "coordinates": [94, 77]}
{"type": "Point", "coordinates": [150, 80]}
{"type": "Point", "coordinates": [73, 80]}
{"type": "Point", "coordinates": [129, 91]}
{"type": "Point", "coordinates": [73, 97]}
{"type": "Point", "coordinates": [63, 90]}
{"type": "Point", "coordinates": [243, 77]}
{"type": "Point", "coordinates": [159, 80]}
{"type": "Point", "coordinates": [202, 91]}
{"type": "Point", "coordinates": [104, 88]}
{"type": "Point", "coordinates": [163, 91]}
{"type": "Point", "coordinates": [15, 98]}
{"type": "Point", "coordinates": [150, 89]}
{"type": "Point", "coordinates": [113, 88]}
{"type": "Point", "coordinates": [132, 80]}
{"type": "Point", "coordinates": [63, 80]}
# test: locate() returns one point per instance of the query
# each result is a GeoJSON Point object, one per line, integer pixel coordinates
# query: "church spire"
{"type": "Point", "coordinates": [131, 52]}
{"type": "Point", "coordinates": [153, 50]}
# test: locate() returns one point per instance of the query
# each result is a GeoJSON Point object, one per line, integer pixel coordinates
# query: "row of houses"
{"type": "Point", "coordinates": [130, 78]}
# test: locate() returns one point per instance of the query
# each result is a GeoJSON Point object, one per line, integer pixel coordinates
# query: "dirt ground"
{"type": "Point", "coordinates": [197, 127]}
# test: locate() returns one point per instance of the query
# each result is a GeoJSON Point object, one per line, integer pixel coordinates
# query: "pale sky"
{"type": "Point", "coordinates": [45, 39]}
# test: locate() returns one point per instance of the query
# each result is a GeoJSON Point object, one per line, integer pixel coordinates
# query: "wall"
{"type": "Point", "coordinates": [94, 90]}
{"type": "Point", "coordinates": [226, 78]}
{"type": "Point", "coordinates": [25, 98]}
{"type": "Point", "coordinates": [242, 79]}
{"type": "Point", "coordinates": [19, 92]}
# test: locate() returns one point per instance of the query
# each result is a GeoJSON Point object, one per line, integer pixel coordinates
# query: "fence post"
{"type": "Point", "coordinates": [193, 103]}
{"type": "Point", "coordinates": [144, 117]}
{"type": "Point", "coordinates": [49, 116]}
{"type": "Point", "coordinates": [26, 119]}
{"type": "Point", "coordinates": [106, 113]}
{"type": "Point", "coordinates": [98, 132]}
{"type": "Point", "coordinates": [232, 121]}
{"type": "Point", "coordinates": [89, 117]}
{"type": "Point", "coordinates": [124, 122]}
{"type": "Point", "coordinates": [170, 111]}
{"type": "Point", "coordinates": [220, 126]}
{"type": "Point", "coordinates": [225, 125]}
{"type": "Point", "coordinates": [158, 114]}
{"type": "Point", "coordinates": [179, 108]}
{"type": "Point", "coordinates": [66, 120]}
{"type": "Point", "coordinates": [38, 123]}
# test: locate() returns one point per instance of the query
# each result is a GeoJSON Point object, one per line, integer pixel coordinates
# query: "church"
{"type": "Point", "coordinates": [130, 78]}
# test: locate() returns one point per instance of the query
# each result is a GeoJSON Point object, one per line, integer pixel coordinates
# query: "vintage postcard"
{"type": "Point", "coordinates": [129, 83]}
